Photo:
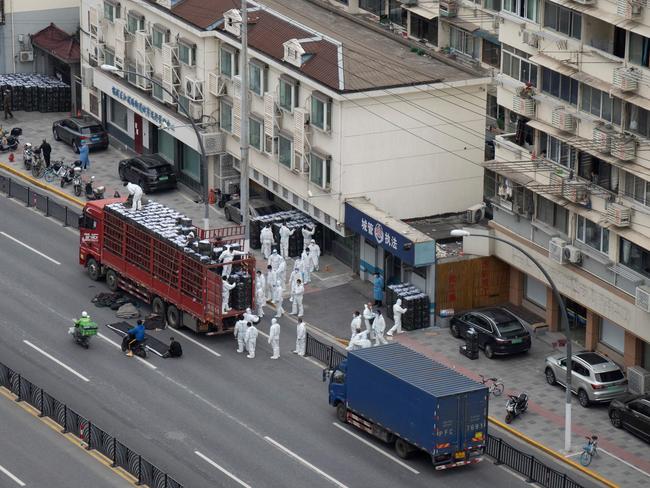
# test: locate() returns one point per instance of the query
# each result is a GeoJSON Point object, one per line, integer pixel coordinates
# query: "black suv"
{"type": "Point", "coordinates": [633, 414]}
{"type": "Point", "coordinates": [150, 171]}
{"type": "Point", "coordinates": [80, 132]}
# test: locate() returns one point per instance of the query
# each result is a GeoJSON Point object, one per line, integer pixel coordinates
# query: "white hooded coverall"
{"type": "Point", "coordinates": [301, 339]}
{"type": "Point", "coordinates": [136, 191]}
{"type": "Point", "coordinates": [266, 238]}
{"type": "Point", "coordinates": [354, 325]}
{"type": "Point", "coordinates": [285, 233]}
{"type": "Point", "coordinates": [225, 295]}
{"type": "Point", "coordinates": [398, 311]}
{"type": "Point", "coordinates": [278, 291]}
{"type": "Point", "coordinates": [379, 326]}
{"type": "Point", "coordinates": [240, 333]}
{"type": "Point", "coordinates": [251, 340]}
{"type": "Point", "coordinates": [274, 338]}
{"type": "Point", "coordinates": [298, 293]}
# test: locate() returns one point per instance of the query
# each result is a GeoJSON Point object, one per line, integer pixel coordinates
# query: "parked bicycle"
{"type": "Point", "coordinates": [56, 170]}
{"type": "Point", "coordinates": [495, 385]}
{"type": "Point", "coordinates": [589, 450]}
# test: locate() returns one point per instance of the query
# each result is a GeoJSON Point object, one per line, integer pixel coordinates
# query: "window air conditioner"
{"type": "Point", "coordinates": [572, 254]}
{"type": "Point", "coordinates": [638, 380]}
{"type": "Point", "coordinates": [642, 298]}
{"type": "Point", "coordinates": [556, 250]}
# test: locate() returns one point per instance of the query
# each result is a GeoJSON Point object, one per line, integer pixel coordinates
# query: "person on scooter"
{"type": "Point", "coordinates": [82, 323]}
{"type": "Point", "coordinates": [137, 336]}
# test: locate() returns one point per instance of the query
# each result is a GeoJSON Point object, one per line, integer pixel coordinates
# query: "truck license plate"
{"type": "Point", "coordinates": [459, 455]}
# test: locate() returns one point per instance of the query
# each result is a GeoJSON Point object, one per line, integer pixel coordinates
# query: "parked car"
{"type": "Point", "coordinates": [151, 171]}
{"type": "Point", "coordinates": [80, 132]}
{"type": "Point", "coordinates": [632, 413]}
{"type": "Point", "coordinates": [256, 207]}
{"type": "Point", "coordinates": [499, 331]}
{"type": "Point", "coordinates": [594, 378]}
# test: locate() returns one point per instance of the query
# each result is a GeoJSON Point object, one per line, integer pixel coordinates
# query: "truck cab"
{"type": "Point", "coordinates": [337, 389]}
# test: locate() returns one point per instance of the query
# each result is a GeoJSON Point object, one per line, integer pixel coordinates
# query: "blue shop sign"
{"type": "Point", "coordinates": [142, 108]}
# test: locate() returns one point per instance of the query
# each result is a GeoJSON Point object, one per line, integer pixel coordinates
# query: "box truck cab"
{"type": "Point", "coordinates": [401, 396]}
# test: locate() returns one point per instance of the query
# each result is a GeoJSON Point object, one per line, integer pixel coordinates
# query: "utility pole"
{"type": "Point", "coordinates": [244, 135]}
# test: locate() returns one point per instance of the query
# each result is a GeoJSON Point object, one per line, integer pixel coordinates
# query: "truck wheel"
{"type": "Point", "coordinates": [173, 317]}
{"type": "Point", "coordinates": [403, 448]}
{"type": "Point", "coordinates": [342, 413]}
{"type": "Point", "coordinates": [158, 306]}
{"type": "Point", "coordinates": [94, 271]}
{"type": "Point", "coordinates": [111, 280]}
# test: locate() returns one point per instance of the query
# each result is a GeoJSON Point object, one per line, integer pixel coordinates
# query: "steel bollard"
{"type": "Point", "coordinates": [20, 387]}
{"type": "Point", "coordinates": [40, 413]}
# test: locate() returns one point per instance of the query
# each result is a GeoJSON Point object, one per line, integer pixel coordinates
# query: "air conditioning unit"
{"type": "Point", "coordinates": [300, 163]}
{"type": "Point", "coordinates": [523, 105]}
{"type": "Point", "coordinates": [142, 42]}
{"type": "Point", "coordinates": [642, 298]}
{"type": "Point", "coordinates": [475, 213]}
{"type": "Point", "coordinates": [638, 380]}
{"type": "Point", "coordinates": [619, 215]}
{"type": "Point", "coordinates": [26, 56]}
{"type": "Point", "coordinates": [170, 54]}
{"type": "Point", "coordinates": [214, 142]}
{"type": "Point", "coordinates": [572, 254]}
{"type": "Point", "coordinates": [629, 9]}
{"type": "Point", "coordinates": [216, 85]}
{"type": "Point", "coordinates": [624, 147]}
{"type": "Point", "coordinates": [87, 74]}
{"type": "Point", "coordinates": [530, 38]}
{"type": "Point", "coordinates": [627, 79]}
{"type": "Point", "coordinates": [193, 89]}
{"type": "Point", "coordinates": [602, 137]}
{"type": "Point", "coordinates": [575, 191]}
{"type": "Point", "coordinates": [563, 120]}
{"type": "Point", "coordinates": [195, 110]}
{"type": "Point", "coordinates": [300, 130]}
{"type": "Point", "coordinates": [448, 8]}
{"type": "Point", "coordinates": [556, 250]}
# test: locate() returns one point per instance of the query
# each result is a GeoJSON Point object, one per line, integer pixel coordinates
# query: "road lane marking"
{"type": "Point", "coordinates": [223, 470]}
{"type": "Point", "coordinates": [203, 346]}
{"type": "Point", "coordinates": [146, 363]}
{"type": "Point", "coordinates": [306, 463]}
{"type": "Point", "coordinates": [49, 356]}
{"type": "Point", "coordinates": [600, 449]}
{"type": "Point", "coordinates": [11, 476]}
{"type": "Point", "coordinates": [379, 450]}
{"type": "Point", "coordinates": [31, 248]}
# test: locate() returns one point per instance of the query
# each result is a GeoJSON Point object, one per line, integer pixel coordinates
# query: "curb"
{"type": "Point", "coordinates": [553, 453]}
{"type": "Point", "coordinates": [42, 185]}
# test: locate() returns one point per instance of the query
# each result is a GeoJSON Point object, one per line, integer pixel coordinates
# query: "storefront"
{"type": "Point", "coordinates": [134, 119]}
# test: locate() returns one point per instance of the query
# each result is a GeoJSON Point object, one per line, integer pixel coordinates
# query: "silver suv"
{"type": "Point", "coordinates": [595, 379]}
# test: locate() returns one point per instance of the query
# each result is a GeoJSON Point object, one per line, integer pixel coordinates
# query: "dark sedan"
{"type": "Point", "coordinates": [80, 132]}
{"type": "Point", "coordinates": [632, 413]}
{"type": "Point", "coordinates": [150, 171]}
{"type": "Point", "coordinates": [499, 331]}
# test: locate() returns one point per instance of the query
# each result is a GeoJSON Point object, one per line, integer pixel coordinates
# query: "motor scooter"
{"type": "Point", "coordinates": [516, 404]}
{"type": "Point", "coordinates": [8, 143]}
{"type": "Point", "coordinates": [83, 333]}
{"type": "Point", "coordinates": [138, 348]}
{"type": "Point", "coordinates": [94, 193]}
{"type": "Point", "coordinates": [76, 180]}
{"type": "Point", "coordinates": [28, 155]}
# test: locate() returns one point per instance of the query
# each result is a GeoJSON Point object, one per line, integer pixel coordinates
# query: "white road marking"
{"type": "Point", "coordinates": [203, 346]}
{"type": "Point", "coordinates": [49, 356]}
{"type": "Point", "coordinates": [12, 476]}
{"type": "Point", "coordinates": [306, 463]}
{"type": "Point", "coordinates": [31, 248]}
{"type": "Point", "coordinates": [379, 450]}
{"type": "Point", "coordinates": [146, 363]}
{"type": "Point", "coordinates": [223, 470]}
{"type": "Point", "coordinates": [600, 449]}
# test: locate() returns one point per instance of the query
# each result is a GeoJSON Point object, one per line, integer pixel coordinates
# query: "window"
{"type": "Point", "coordinates": [186, 53]}
{"type": "Point", "coordinates": [612, 335]}
{"type": "Point", "coordinates": [111, 11]}
{"type": "Point", "coordinates": [397, 14]}
{"type": "Point", "coordinates": [600, 104]}
{"type": "Point", "coordinates": [319, 169]}
{"type": "Point", "coordinates": [321, 112]}
{"type": "Point", "coordinates": [131, 76]}
{"type": "Point", "coordinates": [256, 78]}
{"type": "Point", "coordinates": [560, 86]}
{"type": "Point", "coordinates": [109, 57]}
{"type": "Point", "coordinates": [228, 62]}
{"type": "Point", "coordinates": [156, 89]}
{"type": "Point", "coordinates": [638, 120]}
{"type": "Point", "coordinates": [535, 291]}
{"type": "Point", "coordinates": [592, 235]}
{"type": "Point", "coordinates": [523, 201]}
{"type": "Point", "coordinates": [515, 64]}
{"type": "Point", "coordinates": [563, 20]}
{"type": "Point", "coordinates": [527, 9]}
{"type": "Point", "coordinates": [638, 189]}
{"type": "Point", "coordinates": [493, 5]}
{"type": "Point", "coordinates": [119, 115]}
{"type": "Point", "coordinates": [135, 22]}
{"type": "Point", "coordinates": [94, 103]}
{"type": "Point", "coordinates": [634, 257]}
{"type": "Point", "coordinates": [288, 94]}
{"type": "Point", "coordinates": [598, 172]}
{"type": "Point", "coordinates": [225, 115]}
{"type": "Point", "coordinates": [423, 29]}
{"type": "Point", "coordinates": [158, 36]}
{"type": "Point", "coordinates": [639, 49]}
{"type": "Point", "coordinates": [557, 151]}
{"type": "Point", "coordinates": [552, 214]}
{"type": "Point", "coordinates": [255, 132]}
{"type": "Point", "coordinates": [463, 42]}
{"type": "Point", "coordinates": [285, 150]}
{"type": "Point", "coordinates": [491, 53]}
{"type": "Point", "coordinates": [166, 145]}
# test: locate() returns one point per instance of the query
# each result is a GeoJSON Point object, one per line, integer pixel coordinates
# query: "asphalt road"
{"type": "Point", "coordinates": [212, 418]}
{"type": "Point", "coordinates": [34, 455]}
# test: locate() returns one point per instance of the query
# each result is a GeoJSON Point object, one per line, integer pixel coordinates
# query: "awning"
{"type": "Point", "coordinates": [424, 12]}
{"type": "Point", "coordinates": [488, 36]}
{"type": "Point", "coordinates": [462, 24]}
{"type": "Point", "coordinates": [554, 64]}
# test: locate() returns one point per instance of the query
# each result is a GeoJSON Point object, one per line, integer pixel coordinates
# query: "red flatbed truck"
{"type": "Point", "coordinates": [179, 287]}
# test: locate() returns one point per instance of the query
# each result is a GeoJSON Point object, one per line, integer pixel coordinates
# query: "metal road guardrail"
{"type": "Point", "coordinates": [68, 216]}
{"type": "Point", "coordinates": [93, 436]}
{"type": "Point", "coordinates": [525, 464]}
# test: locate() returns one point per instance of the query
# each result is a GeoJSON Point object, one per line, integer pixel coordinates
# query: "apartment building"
{"type": "Point", "coordinates": [336, 113]}
{"type": "Point", "coordinates": [571, 176]}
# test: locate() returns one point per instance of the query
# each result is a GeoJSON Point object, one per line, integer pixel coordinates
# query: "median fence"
{"type": "Point", "coordinates": [39, 199]}
{"type": "Point", "coordinates": [503, 453]}
{"type": "Point", "coordinates": [90, 434]}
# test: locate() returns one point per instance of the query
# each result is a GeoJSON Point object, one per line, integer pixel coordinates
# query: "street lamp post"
{"type": "Point", "coordinates": [204, 167]}
{"type": "Point", "coordinates": [564, 319]}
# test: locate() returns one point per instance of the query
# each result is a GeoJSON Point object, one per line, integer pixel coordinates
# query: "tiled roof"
{"type": "Point", "coordinates": [58, 43]}
{"type": "Point", "coordinates": [203, 13]}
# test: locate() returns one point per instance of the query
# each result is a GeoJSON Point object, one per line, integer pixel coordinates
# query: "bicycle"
{"type": "Point", "coordinates": [495, 385]}
{"type": "Point", "coordinates": [56, 170]}
{"type": "Point", "coordinates": [589, 450]}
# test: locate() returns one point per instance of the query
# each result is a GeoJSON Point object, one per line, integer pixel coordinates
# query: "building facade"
{"type": "Point", "coordinates": [570, 176]}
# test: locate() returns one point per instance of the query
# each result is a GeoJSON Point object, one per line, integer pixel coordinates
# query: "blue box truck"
{"type": "Point", "coordinates": [401, 396]}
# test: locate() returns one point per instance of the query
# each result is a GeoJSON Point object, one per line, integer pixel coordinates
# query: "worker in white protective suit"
{"type": "Point", "coordinates": [359, 340]}
{"type": "Point", "coordinates": [275, 259]}
{"type": "Point", "coordinates": [225, 295]}
{"type": "Point", "coordinates": [250, 317]}
{"type": "Point", "coordinates": [226, 258]}
{"type": "Point", "coordinates": [282, 270]}
{"type": "Point", "coordinates": [398, 311]}
{"type": "Point", "coordinates": [297, 294]}
{"type": "Point", "coordinates": [136, 191]}
{"type": "Point", "coordinates": [307, 235]}
{"type": "Point", "coordinates": [307, 266]}
{"type": "Point", "coordinates": [314, 253]}
{"type": "Point", "coordinates": [251, 339]}
{"type": "Point", "coordinates": [278, 291]}
{"type": "Point", "coordinates": [267, 240]}
{"type": "Point", "coordinates": [260, 293]}
{"type": "Point", "coordinates": [240, 333]}
{"type": "Point", "coordinates": [271, 277]}
{"type": "Point", "coordinates": [285, 233]}
{"type": "Point", "coordinates": [274, 338]}
{"type": "Point", "coordinates": [368, 317]}
{"type": "Point", "coordinates": [378, 327]}
{"type": "Point", "coordinates": [301, 338]}
{"type": "Point", "coordinates": [355, 323]}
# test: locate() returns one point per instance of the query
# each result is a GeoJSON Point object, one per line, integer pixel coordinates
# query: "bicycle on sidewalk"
{"type": "Point", "coordinates": [589, 450]}
{"type": "Point", "coordinates": [495, 385]}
